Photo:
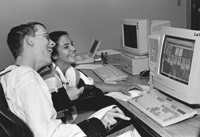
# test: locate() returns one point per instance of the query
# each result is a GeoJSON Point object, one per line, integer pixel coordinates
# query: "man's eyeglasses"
{"type": "Point", "coordinates": [44, 34]}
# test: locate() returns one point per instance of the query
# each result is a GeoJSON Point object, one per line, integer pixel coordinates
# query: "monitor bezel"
{"type": "Point", "coordinates": [186, 93]}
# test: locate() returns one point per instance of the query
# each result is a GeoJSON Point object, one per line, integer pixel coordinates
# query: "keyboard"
{"type": "Point", "coordinates": [109, 73]}
{"type": "Point", "coordinates": [162, 109]}
{"type": "Point", "coordinates": [88, 66]}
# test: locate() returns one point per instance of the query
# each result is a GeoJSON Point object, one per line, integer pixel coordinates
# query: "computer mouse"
{"type": "Point", "coordinates": [138, 87]}
{"type": "Point", "coordinates": [144, 88]}
{"type": "Point", "coordinates": [135, 92]}
{"type": "Point", "coordinates": [144, 74]}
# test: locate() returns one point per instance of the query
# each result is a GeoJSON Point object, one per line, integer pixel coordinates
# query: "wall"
{"type": "Point", "coordinates": [85, 19]}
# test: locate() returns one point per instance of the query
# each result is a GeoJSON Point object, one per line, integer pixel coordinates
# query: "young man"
{"type": "Point", "coordinates": [28, 95]}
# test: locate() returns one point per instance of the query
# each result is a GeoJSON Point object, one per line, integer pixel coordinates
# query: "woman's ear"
{"type": "Point", "coordinates": [29, 40]}
{"type": "Point", "coordinates": [55, 57]}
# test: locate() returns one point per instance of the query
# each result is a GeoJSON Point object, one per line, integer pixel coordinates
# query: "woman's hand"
{"type": "Point", "coordinates": [109, 118]}
{"type": "Point", "coordinates": [125, 89]}
{"type": "Point", "coordinates": [74, 92]}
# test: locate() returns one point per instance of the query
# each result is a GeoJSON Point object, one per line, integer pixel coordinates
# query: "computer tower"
{"type": "Point", "coordinates": [134, 65]}
{"type": "Point", "coordinates": [156, 26]}
{"type": "Point", "coordinates": [151, 79]}
{"type": "Point", "coordinates": [154, 47]}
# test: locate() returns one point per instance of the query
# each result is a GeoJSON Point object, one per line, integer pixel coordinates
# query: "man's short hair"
{"type": "Point", "coordinates": [16, 36]}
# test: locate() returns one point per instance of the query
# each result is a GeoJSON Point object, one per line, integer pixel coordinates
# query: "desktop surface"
{"type": "Point", "coordinates": [145, 125]}
{"type": "Point", "coordinates": [187, 128]}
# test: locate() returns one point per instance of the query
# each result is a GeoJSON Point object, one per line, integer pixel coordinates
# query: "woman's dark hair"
{"type": "Point", "coordinates": [55, 36]}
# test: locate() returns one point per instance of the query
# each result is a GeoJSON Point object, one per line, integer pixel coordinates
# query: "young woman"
{"type": "Point", "coordinates": [63, 56]}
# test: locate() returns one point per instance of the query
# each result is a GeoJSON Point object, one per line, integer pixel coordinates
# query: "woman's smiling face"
{"type": "Point", "coordinates": [66, 50]}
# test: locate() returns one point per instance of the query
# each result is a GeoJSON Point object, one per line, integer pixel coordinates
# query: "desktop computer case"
{"type": "Point", "coordinates": [134, 66]}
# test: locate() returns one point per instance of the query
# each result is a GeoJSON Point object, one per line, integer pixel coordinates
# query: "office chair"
{"type": "Point", "coordinates": [10, 124]}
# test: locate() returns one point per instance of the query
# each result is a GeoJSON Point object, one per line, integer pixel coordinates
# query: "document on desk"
{"type": "Point", "coordinates": [109, 51]}
{"type": "Point", "coordinates": [134, 93]}
{"type": "Point", "coordinates": [99, 114]}
{"type": "Point", "coordinates": [88, 66]}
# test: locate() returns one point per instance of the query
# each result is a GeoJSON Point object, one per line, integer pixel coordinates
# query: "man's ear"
{"type": "Point", "coordinates": [29, 40]}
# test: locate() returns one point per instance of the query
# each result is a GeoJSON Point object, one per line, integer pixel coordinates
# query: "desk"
{"type": "Point", "coordinates": [147, 127]}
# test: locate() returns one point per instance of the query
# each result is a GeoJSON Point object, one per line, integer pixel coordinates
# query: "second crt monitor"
{"type": "Point", "coordinates": [135, 36]}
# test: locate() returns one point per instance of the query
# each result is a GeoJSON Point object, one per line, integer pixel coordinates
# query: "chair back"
{"type": "Point", "coordinates": [10, 124]}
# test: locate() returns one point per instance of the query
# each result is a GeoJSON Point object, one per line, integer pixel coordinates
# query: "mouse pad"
{"type": "Point", "coordinates": [121, 96]}
{"type": "Point", "coordinates": [134, 93]}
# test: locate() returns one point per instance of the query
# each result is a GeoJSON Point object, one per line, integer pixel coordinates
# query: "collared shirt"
{"type": "Point", "coordinates": [70, 75]}
{"type": "Point", "coordinates": [29, 98]}
{"type": "Point", "coordinates": [69, 79]}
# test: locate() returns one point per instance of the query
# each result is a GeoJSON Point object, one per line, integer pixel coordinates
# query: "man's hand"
{"type": "Point", "coordinates": [109, 118]}
{"type": "Point", "coordinates": [74, 92]}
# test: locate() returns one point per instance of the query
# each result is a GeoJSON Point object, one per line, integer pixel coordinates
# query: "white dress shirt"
{"type": "Point", "coordinates": [30, 99]}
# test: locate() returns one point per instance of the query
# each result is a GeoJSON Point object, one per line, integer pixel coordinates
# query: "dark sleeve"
{"type": "Point", "coordinates": [93, 127]}
{"type": "Point", "coordinates": [81, 83]}
{"type": "Point", "coordinates": [61, 99]}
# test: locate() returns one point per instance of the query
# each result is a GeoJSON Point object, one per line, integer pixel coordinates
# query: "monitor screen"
{"type": "Point", "coordinates": [94, 45]}
{"type": "Point", "coordinates": [176, 58]}
{"type": "Point", "coordinates": [130, 36]}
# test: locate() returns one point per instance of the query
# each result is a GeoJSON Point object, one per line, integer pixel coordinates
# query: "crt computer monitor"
{"type": "Point", "coordinates": [178, 67]}
{"type": "Point", "coordinates": [135, 36]}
